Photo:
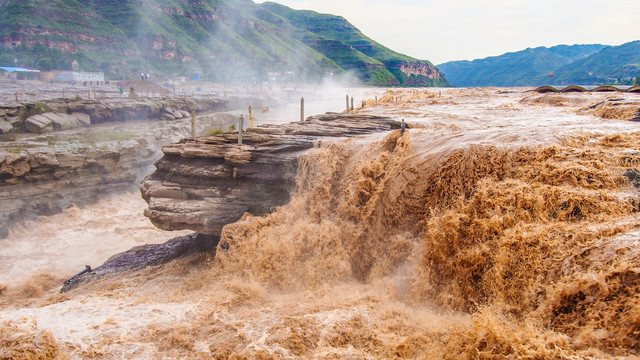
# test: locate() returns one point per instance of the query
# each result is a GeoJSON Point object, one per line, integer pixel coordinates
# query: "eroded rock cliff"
{"type": "Point", "coordinates": [205, 183]}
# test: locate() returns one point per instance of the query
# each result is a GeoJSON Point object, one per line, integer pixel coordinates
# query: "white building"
{"type": "Point", "coordinates": [80, 76]}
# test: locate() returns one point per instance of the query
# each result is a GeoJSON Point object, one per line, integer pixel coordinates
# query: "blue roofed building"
{"type": "Point", "coordinates": [18, 73]}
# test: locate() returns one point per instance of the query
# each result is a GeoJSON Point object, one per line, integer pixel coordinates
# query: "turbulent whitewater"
{"type": "Point", "coordinates": [503, 225]}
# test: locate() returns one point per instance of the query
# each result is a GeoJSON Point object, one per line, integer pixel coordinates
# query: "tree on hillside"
{"type": "Point", "coordinates": [7, 60]}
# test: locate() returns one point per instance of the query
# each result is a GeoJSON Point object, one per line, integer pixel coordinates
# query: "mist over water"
{"type": "Point", "coordinates": [500, 226]}
{"type": "Point", "coordinates": [283, 105]}
{"type": "Point", "coordinates": [63, 244]}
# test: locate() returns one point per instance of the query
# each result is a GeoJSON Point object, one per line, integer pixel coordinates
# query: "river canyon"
{"type": "Point", "coordinates": [502, 223]}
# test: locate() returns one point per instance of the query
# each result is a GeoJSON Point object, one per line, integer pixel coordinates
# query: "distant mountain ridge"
{"type": "Point", "coordinates": [528, 67]}
{"type": "Point", "coordinates": [612, 64]}
{"type": "Point", "coordinates": [218, 39]}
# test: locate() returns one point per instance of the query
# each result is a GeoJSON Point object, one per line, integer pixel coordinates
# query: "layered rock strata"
{"type": "Point", "coordinates": [204, 183]}
{"type": "Point", "coordinates": [61, 114]}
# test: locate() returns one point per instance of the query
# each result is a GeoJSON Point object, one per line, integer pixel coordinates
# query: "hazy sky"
{"type": "Point", "coordinates": [444, 30]}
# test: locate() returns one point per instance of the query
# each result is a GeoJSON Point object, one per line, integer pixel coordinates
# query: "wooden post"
{"type": "Point", "coordinates": [250, 117]}
{"type": "Point", "coordinates": [89, 91]}
{"type": "Point", "coordinates": [352, 103]}
{"type": "Point", "coordinates": [347, 102]}
{"type": "Point", "coordinates": [193, 123]}
{"type": "Point", "coordinates": [94, 94]}
{"type": "Point", "coordinates": [302, 109]}
{"type": "Point", "coordinates": [240, 130]}
{"type": "Point", "coordinates": [17, 102]}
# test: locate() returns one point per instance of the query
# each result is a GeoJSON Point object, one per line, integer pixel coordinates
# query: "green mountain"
{"type": "Point", "coordinates": [616, 64]}
{"type": "Point", "coordinates": [223, 40]}
{"type": "Point", "coordinates": [529, 67]}
{"type": "Point", "coordinates": [337, 39]}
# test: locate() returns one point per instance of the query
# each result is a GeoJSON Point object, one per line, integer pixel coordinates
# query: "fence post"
{"type": "Point", "coordinates": [302, 109]}
{"type": "Point", "coordinates": [193, 123]}
{"type": "Point", "coordinates": [240, 130]}
{"type": "Point", "coordinates": [17, 102]}
{"type": "Point", "coordinates": [347, 102]}
{"type": "Point", "coordinates": [352, 103]}
{"type": "Point", "coordinates": [89, 91]}
{"type": "Point", "coordinates": [250, 117]}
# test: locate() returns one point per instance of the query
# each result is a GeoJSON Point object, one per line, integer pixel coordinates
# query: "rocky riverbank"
{"type": "Point", "coordinates": [60, 152]}
{"type": "Point", "coordinates": [61, 114]}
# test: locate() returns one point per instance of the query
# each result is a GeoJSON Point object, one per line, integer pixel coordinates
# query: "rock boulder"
{"type": "Point", "coordinates": [83, 118]}
{"type": "Point", "coordinates": [62, 121]}
{"type": "Point", "coordinates": [5, 126]}
{"type": "Point", "coordinates": [38, 124]}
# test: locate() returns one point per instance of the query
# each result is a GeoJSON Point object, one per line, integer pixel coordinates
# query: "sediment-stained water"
{"type": "Point", "coordinates": [62, 244]}
{"type": "Point", "coordinates": [503, 225]}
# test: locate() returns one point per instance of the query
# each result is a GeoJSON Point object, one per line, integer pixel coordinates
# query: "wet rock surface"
{"type": "Point", "coordinates": [143, 256]}
{"type": "Point", "coordinates": [204, 183]}
{"type": "Point", "coordinates": [633, 175]}
{"type": "Point", "coordinates": [615, 108]}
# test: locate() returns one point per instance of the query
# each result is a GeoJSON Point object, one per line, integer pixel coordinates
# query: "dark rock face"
{"type": "Point", "coordinates": [144, 256]}
{"type": "Point", "coordinates": [204, 183]}
{"type": "Point", "coordinates": [633, 175]}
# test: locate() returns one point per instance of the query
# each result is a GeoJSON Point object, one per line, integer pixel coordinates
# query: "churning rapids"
{"type": "Point", "coordinates": [503, 225]}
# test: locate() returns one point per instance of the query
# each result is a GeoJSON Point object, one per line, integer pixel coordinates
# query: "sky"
{"type": "Point", "coordinates": [446, 30]}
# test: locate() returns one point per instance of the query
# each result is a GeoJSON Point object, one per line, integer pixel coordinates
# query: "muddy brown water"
{"type": "Point", "coordinates": [500, 226]}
